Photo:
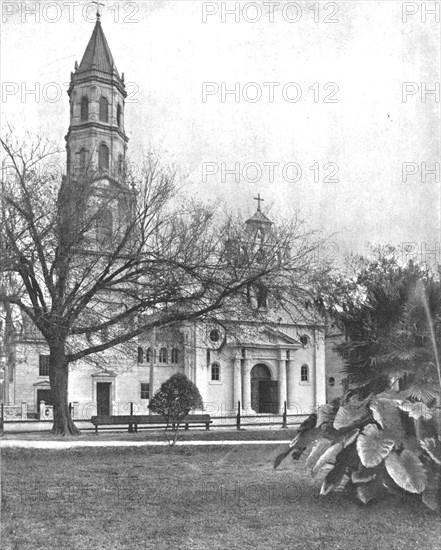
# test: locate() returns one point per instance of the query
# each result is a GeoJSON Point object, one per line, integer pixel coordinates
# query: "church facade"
{"type": "Point", "coordinates": [257, 366]}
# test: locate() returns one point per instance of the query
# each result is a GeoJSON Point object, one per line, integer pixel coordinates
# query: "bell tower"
{"type": "Point", "coordinates": [96, 142]}
{"type": "Point", "coordinates": [258, 227]}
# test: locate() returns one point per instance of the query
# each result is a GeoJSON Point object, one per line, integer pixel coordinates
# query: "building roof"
{"type": "Point", "coordinates": [259, 217]}
{"type": "Point", "coordinates": [98, 56]}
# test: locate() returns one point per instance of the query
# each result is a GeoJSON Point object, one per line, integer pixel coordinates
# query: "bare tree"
{"type": "Point", "coordinates": [89, 287]}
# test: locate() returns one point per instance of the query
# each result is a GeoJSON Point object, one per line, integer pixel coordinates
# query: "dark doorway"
{"type": "Point", "coordinates": [44, 395]}
{"type": "Point", "coordinates": [103, 398]}
{"type": "Point", "coordinates": [264, 391]}
{"type": "Point", "coordinates": [268, 396]}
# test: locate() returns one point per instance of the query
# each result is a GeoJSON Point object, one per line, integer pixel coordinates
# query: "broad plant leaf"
{"type": "Point", "coordinates": [387, 415]}
{"type": "Point", "coordinates": [350, 437]}
{"type": "Point", "coordinates": [328, 486]}
{"type": "Point", "coordinates": [407, 471]}
{"type": "Point", "coordinates": [307, 430]}
{"type": "Point", "coordinates": [325, 415]}
{"type": "Point", "coordinates": [372, 447]}
{"type": "Point", "coordinates": [302, 441]}
{"type": "Point", "coordinates": [317, 451]}
{"type": "Point", "coordinates": [432, 447]}
{"type": "Point", "coordinates": [306, 434]}
{"type": "Point", "coordinates": [348, 416]}
{"type": "Point", "coordinates": [363, 475]}
{"type": "Point", "coordinates": [328, 458]}
{"type": "Point", "coordinates": [279, 458]}
{"type": "Point", "coordinates": [346, 461]}
{"type": "Point", "coordinates": [368, 491]}
{"type": "Point", "coordinates": [343, 483]}
{"type": "Point", "coordinates": [376, 414]}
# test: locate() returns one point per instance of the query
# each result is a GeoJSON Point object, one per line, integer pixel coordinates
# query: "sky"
{"type": "Point", "coordinates": [319, 124]}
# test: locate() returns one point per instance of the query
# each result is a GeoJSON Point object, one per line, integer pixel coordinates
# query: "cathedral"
{"type": "Point", "coordinates": [260, 367]}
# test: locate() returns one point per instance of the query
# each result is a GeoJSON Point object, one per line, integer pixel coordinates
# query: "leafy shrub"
{"type": "Point", "coordinates": [176, 397]}
{"type": "Point", "coordinates": [378, 445]}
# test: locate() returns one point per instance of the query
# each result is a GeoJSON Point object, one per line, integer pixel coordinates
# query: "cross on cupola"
{"type": "Point", "coordinates": [98, 10]}
{"type": "Point", "coordinates": [259, 200]}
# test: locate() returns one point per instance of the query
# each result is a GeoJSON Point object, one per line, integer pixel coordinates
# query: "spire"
{"type": "Point", "coordinates": [259, 217]}
{"type": "Point", "coordinates": [97, 56]}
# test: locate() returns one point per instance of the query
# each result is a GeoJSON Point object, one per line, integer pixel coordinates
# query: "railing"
{"type": "Point", "coordinates": [239, 421]}
{"type": "Point", "coordinates": [242, 420]}
{"type": "Point", "coordinates": [15, 412]}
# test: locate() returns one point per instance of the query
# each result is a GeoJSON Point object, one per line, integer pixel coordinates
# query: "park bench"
{"type": "Point", "coordinates": [133, 421]}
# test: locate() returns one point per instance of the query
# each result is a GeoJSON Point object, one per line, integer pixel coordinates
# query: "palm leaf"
{"type": "Point", "coordinates": [416, 410]}
{"type": "Point", "coordinates": [420, 393]}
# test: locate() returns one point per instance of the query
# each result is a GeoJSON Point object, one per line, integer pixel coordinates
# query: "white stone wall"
{"type": "Point", "coordinates": [334, 368]}
{"type": "Point", "coordinates": [125, 375]}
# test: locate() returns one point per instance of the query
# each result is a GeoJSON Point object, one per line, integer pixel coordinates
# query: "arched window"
{"type": "Point", "coordinates": [215, 372]}
{"type": "Point", "coordinates": [304, 373]}
{"type": "Point", "coordinates": [83, 158]}
{"type": "Point", "coordinates": [163, 355]}
{"type": "Point", "coordinates": [84, 109]}
{"type": "Point", "coordinates": [103, 157]}
{"type": "Point", "coordinates": [140, 355]}
{"type": "Point", "coordinates": [174, 356]}
{"type": "Point", "coordinates": [118, 115]}
{"type": "Point", "coordinates": [104, 109]}
{"type": "Point", "coordinates": [148, 355]}
{"type": "Point", "coordinates": [104, 225]}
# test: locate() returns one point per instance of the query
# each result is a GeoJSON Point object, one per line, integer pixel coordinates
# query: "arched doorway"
{"type": "Point", "coordinates": [264, 391]}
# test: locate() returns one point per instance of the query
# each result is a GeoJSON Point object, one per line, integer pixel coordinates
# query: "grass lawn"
{"type": "Point", "coordinates": [198, 498]}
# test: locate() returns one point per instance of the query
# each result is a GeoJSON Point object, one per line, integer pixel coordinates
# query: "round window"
{"type": "Point", "coordinates": [214, 335]}
{"type": "Point", "coordinates": [331, 381]}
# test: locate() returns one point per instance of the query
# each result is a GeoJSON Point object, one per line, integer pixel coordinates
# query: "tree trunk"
{"type": "Point", "coordinates": [58, 376]}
